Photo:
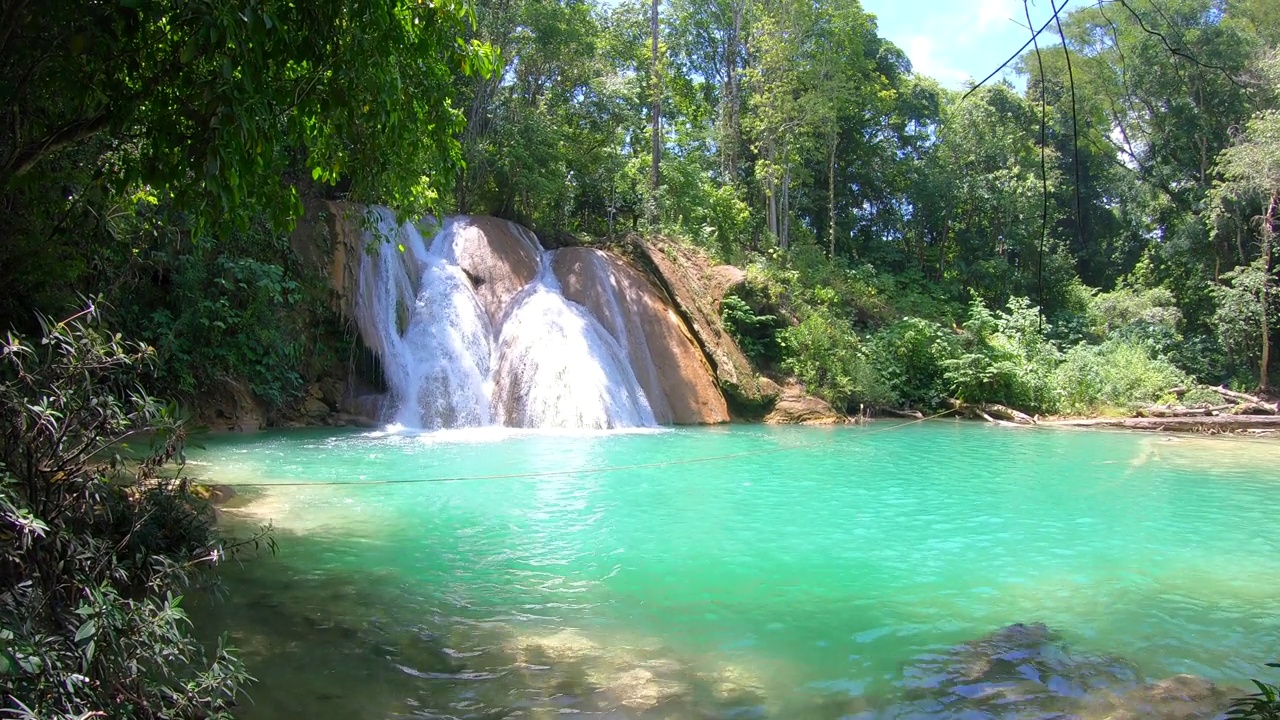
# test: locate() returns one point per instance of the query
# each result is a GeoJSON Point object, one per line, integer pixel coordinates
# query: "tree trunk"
{"type": "Point", "coordinates": [730, 140]}
{"type": "Point", "coordinates": [656, 123]}
{"type": "Point", "coordinates": [784, 210]}
{"type": "Point", "coordinates": [1268, 230]}
{"type": "Point", "coordinates": [833, 140]}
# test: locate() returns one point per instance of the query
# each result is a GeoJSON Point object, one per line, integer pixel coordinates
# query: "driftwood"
{"type": "Point", "coordinates": [1209, 424]}
{"type": "Point", "coordinates": [1241, 403]}
{"type": "Point", "coordinates": [1007, 413]}
{"type": "Point", "coordinates": [1164, 411]}
{"type": "Point", "coordinates": [1239, 396]}
{"type": "Point", "coordinates": [992, 413]}
{"type": "Point", "coordinates": [908, 414]}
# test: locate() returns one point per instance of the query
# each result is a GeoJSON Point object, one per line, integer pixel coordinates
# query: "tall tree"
{"type": "Point", "coordinates": [1250, 171]}
{"type": "Point", "coordinates": [655, 115]}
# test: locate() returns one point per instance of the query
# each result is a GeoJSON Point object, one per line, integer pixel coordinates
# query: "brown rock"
{"type": "Point", "coordinates": [769, 390]}
{"type": "Point", "coordinates": [499, 256]}
{"type": "Point", "coordinates": [723, 279]}
{"type": "Point", "coordinates": [1181, 697]}
{"type": "Point", "coordinates": [670, 367]}
{"type": "Point", "coordinates": [233, 409]}
{"type": "Point", "coordinates": [796, 407]}
{"type": "Point", "coordinates": [315, 408]}
{"type": "Point", "coordinates": [696, 289]}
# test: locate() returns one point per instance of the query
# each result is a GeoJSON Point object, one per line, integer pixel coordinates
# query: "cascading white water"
{"type": "Point", "coordinates": [548, 364]}
{"type": "Point", "coordinates": [559, 368]}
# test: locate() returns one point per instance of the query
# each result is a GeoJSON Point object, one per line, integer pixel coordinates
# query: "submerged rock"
{"type": "Point", "coordinates": [1181, 697]}
{"type": "Point", "coordinates": [1027, 671]}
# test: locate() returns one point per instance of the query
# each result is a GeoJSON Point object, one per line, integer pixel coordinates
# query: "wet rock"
{"type": "Point", "coordinates": [219, 495]}
{"type": "Point", "coordinates": [796, 407]}
{"type": "Point", "coordinates": [1181, 697]}
{"type": "Point", "coordinates": [677, 381]}
{"type": "Point", "coordinates": [498, 256]}
{"type": "Point", "coordinates": [1020, 671]}
{"type": "Point", "coordinates": [562, 647]}
{"type": "Point", "coordinates": [641, 689]}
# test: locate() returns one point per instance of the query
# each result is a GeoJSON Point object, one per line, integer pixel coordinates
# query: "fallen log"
{"type": "Point", "coordinates": [1165, 412]}
{"type": "Point", "coordinates": [1257, 408]}
{"type": "Point", "coordinates": [1210, 424]}
{"type": "Point", "coordinates": [1007, 413]}
{"type": "Point", "coordinates": [977, 412]}
{"type": "Point", "coordinates": [908, 414]}
{"type": "Point", "coordinates": [1242, 398]}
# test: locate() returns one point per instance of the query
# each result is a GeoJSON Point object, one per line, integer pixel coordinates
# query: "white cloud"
{"type": "Point", "coordinates": [925, 61]}
{"type": "Point", "coordinates": [993, 12]}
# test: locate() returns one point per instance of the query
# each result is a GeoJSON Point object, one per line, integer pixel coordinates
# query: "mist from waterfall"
{"type": "Point", "coordinates": [546, 362]}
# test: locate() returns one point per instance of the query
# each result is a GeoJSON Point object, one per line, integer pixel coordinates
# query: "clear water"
{"type": "Point", "coordinates": [801, 581]}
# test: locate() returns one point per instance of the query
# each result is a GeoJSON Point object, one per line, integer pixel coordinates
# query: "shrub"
{"type": "Point", "coordinates": [95, 548]}
{"type": "Point", "coordinates": [756, 335]}
{"type": "Point", "coordinates": [827, 356]}
{"type": "Point", "coordinates": [909, 354]}
{"type": "Point", "coordinates": [1262, 705]}
{"type": "Point", "coordinates": [1004, 358]}
{"type": "Point", "coordinates": [1117, 373]}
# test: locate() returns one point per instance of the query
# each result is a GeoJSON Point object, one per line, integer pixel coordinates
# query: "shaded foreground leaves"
{"type": "Point", "coordinates": [96, 544]}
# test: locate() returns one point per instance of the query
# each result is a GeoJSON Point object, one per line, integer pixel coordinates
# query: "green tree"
{"type": "Point", "coordinates": [1250, 172]}
{"type": "Point", "coordinates": [217, 109]}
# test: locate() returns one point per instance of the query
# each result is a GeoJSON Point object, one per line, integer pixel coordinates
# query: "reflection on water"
{"type": "Point", "coordinates": [852, 578]}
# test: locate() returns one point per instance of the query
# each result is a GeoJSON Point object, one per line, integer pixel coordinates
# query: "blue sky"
{"type": "Point", "coordinates": [954, 40]}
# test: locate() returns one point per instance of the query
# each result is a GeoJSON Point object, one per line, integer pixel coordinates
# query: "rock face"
{"type": "Point", "coordinates": [671, 369]}
{"type": "Point", "coordinates": [235, 409]}
{"type": "Point", "coordinates": [796, 407]}
{"type": "Point", "coordinates": [697, 288]}
{"type": "Point", "coordinates": [498, 256]}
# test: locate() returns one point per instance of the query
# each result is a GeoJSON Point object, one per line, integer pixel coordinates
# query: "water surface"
{"type": "Point", "coordinates": [799, 575]}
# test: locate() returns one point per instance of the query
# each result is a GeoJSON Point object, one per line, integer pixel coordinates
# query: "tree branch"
{"type": "Point", "coordinates": [26, 158]}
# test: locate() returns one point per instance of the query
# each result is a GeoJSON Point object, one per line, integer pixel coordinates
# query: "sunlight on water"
{"type": "Point", "coordinates": [808, 573]}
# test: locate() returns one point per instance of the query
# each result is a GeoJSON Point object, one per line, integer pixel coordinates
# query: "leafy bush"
{"type": "Point", "coordinates": [1004, 358]}
{"type": "Point", "coordinates": [827, 356]}
{"type": "Point", "coordinates": [1238, 318]}
{"type": "Point", "coordinates": [229, 317]}
{"type": "Point", "coordinates": [233, 308]}
{"type": "Point", "coordinates": [909, 354]}
{"type": "Point", "coordinates": [95, 548]}
{"type": "Point", "coordinates": [756, 335]}
{"type": "Point", "coordinates": [1117, 373]}
{"type": "Point", "coordinates": [1201, 396]}
{"type": "Point", "coordinates": [1262, 705]}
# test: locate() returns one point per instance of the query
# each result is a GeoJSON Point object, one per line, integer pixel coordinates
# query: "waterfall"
{"type": "Point", "coordinates": [544, 362]}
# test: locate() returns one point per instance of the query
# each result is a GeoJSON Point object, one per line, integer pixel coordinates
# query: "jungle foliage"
{"type": "Point", "coordinates": [97, 545]}
{"type": "Point", "coordinates": [797, 141]}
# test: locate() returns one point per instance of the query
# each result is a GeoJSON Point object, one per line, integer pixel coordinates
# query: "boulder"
{"type": "Point", "coordinates": [696, 288]}
{"type": "Point", "coordinates": [233, 409]}
{"type": "Point", "coordinates": [796, 407]}
{"type": "Point", "coordinates": [498, 256]}
{"type": "Point", "coordinates": [315, 409]}
{"type": "Point", "coordinates": [677, 381]}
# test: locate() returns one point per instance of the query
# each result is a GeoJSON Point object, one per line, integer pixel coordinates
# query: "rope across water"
{"type": "Point", "coordinates": [587, 471]}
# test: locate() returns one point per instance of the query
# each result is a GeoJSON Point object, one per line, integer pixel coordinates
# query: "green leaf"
{"type": "Point", "coordinates": [87, 629]}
